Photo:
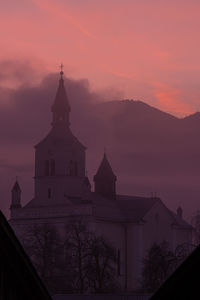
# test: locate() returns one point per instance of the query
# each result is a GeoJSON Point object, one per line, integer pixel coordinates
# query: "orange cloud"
{"type": "Point", "coordinates": [112, 43]}
{"type": "Point", "coordinates": [169, 99]}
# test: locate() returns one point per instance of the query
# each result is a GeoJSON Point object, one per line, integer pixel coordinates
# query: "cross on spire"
{"type": "Point", "coordinates": [61, 69]}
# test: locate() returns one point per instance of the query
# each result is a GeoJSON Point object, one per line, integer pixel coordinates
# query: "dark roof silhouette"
{"type": "Point", "coordinates": [58, 137]}
{"type": "Point", "coordinates": [19, 279]}
{"type": "Point", "coordinates": [105, 171]}
{"type": "Point", "coordinates": [184, 283]}
{"type": "Point", "coordinates": [123, 208]}
{"type": "Point", "coordinates": [134, 208]}
{"type": "Point", "coordinates": [61, 102]}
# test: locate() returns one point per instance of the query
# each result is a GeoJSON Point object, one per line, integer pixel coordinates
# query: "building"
{"type": "Point", "coordinates": [63, 192]}
{"type": "Point", "coordinates": [18, 278]}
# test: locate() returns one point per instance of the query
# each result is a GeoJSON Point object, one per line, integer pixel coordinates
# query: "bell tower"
{"type": "Point", "coordinates": [59, 157]}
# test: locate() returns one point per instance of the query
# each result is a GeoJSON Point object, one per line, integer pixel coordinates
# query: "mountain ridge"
{"type": "Point", "coordinates": [149, 106]}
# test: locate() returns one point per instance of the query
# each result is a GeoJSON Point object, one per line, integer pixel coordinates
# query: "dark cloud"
{"type": "Point", "coordinates": [19, 71]}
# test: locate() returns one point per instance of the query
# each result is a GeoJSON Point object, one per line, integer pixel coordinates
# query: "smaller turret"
{"type": "Point", "coordinates": [16, 196]}
{"type": "Point", "coordinates": [105, 180]}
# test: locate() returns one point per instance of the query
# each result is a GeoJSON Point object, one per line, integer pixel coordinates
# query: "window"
{"type": "Point", "coordinates": [46, 168]}
{"type": "Point", "coordinates": [49, 193]}
{"type": "Point", "coordinates": [53, 167]}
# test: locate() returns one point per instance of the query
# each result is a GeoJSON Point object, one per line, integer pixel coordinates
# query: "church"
{"type": "Point", "coordinates": [63, 192]}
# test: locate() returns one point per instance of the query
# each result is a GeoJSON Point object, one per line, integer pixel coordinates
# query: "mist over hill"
{"type": "Point", "coordinates": [149, 150]}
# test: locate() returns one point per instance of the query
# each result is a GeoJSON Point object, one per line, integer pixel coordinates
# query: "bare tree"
{"type": "Point", "coordinates": [77, 253]}
{"type": "Point", "coordinates": [102, 266]}
{"type": "Point", "coordinates": [43, 245]}
{"type": "Point", "coordinates": [93, 260]}
{"type": "Point", "coordinates": [79, 263]}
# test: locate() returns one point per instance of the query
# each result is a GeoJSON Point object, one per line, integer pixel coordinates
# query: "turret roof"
{"type": "Point", "coordinates": [16, 186]}
{"type": "Point", "coordinates": [105, 170]}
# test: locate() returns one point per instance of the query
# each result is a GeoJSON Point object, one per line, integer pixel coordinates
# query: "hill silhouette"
{"type": "Point", "coordinates": [150, 150]}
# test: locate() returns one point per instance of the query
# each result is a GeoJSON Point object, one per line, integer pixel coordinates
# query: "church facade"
{"type": "Point", "coordinates": [63, 192]}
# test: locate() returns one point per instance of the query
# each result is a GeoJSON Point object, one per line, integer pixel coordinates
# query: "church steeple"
{"type": "Point", "coordinates": [61, 108]}
{"type": "Point", "coordinates": [105, 179]}
{"type": "Point", "coordinates": [59, 157]}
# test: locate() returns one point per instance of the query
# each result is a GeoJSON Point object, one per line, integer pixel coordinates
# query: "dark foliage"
{"type": "Point", "coordinates": [159, 263]}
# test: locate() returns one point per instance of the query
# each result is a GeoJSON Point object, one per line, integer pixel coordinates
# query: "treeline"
{"type": "Point", "coordinates": [79, 262]}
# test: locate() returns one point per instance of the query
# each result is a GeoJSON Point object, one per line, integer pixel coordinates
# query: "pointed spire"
{"type": "Point", "coordinates": [105, 170]}
{"type": "Point", "coordinates": [105, 179]}
{"type": "Point", "coordinates": [61, 107]}
{"type": "Point", "coordinates": [16, 196]}
{"type": "Point", "coordinates": [16, 186]}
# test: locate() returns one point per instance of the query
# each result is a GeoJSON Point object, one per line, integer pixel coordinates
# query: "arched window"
{"type": "Point", "coordinates": [46, 168]}
{"type": "Point", "coordinates": [53, 167]}
{"type": "Point", "coordinates": [49, 193]}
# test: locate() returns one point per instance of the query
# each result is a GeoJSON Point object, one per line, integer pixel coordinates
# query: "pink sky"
{"type": "Point", "coordinates": [142, 49]}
